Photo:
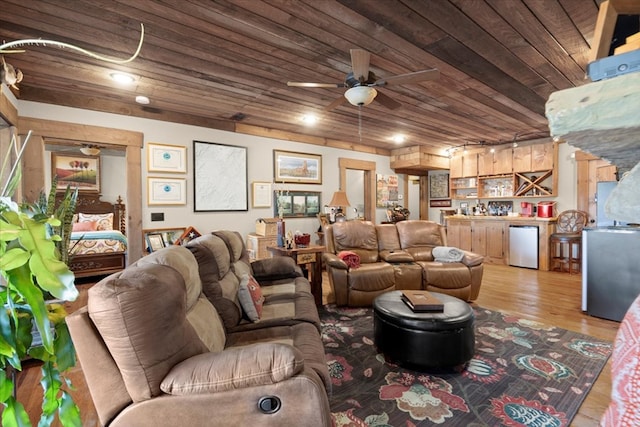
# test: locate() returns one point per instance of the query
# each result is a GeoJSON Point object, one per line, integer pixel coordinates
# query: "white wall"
{"type": "Point", "coordinates": [260, 167]}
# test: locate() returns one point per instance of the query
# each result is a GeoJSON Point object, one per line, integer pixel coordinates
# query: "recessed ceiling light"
{"type": "Point", "coordinates": [309, 119]}
{"type": "Point", "coordinates": [398, 139]}
{"type": "Point", "coordinates": [141, 99]}
{"type": "Point", "coordinates": [122, 78]}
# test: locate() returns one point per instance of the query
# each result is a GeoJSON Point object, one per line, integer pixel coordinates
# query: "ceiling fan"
{"type": "Point", "coordinates": [361, 82]}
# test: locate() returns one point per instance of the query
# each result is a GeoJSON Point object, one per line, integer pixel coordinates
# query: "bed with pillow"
{"type": "Point", "coordinates": [98, 242]}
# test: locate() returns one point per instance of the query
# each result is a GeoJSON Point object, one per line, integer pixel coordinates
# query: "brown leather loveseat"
{"type": "Point", "coordinates": [395, 257]}
{"type": "Point", "coordinates": [158, 350]}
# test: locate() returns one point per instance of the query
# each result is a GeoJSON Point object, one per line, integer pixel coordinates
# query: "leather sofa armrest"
{"type": "Point", "coordinates": [472, 259]}
{"type": "Point", "coordinates": [334, 261]}
{"type": "Point", "coordinates": [395, 256]}
{"type": "Point", "coordinates": [234, 368]}
{"type": "Point", "coordinates": [279, 267]}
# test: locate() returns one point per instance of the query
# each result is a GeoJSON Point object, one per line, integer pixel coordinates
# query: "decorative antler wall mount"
{"type": "Point", "coordinates": [11, 76]}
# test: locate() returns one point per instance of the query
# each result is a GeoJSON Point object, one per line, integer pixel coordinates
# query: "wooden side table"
{"type": "Point", "coordinates": [312, 255]}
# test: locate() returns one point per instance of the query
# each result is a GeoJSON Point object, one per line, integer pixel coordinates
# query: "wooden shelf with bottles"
{"type": "Point", "coordinates": [463, 188]}
{"type": "Point", "coordinates": [534, 184]}
{"type": "Point", "coordinates": [496, 186]}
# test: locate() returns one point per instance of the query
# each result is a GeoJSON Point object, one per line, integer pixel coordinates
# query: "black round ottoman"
{"type": "Point", "coordinates": [424, 340]}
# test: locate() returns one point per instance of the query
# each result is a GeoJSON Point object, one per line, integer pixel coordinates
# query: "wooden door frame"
{"type": "Point", "coordinates": [33, 171]}
{"type": "Point", "coordinates": [369, 169]}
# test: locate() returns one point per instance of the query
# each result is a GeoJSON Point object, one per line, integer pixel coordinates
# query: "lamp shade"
{"type": "Point", "coordinates": [339, 199]}
{"type": "Point", "coordinates": [360, 95]}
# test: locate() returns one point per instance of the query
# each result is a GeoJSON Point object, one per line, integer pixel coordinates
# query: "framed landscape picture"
{"type": "Point", "coordinates": [299, 168]}
{"type": "Point", "coordinates": [78, 171]}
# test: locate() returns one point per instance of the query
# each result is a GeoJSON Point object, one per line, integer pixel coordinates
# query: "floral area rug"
{"type": "Point", "coordinates": [523, 373]}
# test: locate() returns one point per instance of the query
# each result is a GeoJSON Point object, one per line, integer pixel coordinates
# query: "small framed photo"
{"type": "Point", "coordinates": [166, 158]}
{"type": "Point", "coordinates": [155, 242]}
{"type": "Point", "coordinates": [166, 191]}
{"type": "Point", "coordinates": [261, 195]}
{"type": "Point", "coordinates": [299, 168]}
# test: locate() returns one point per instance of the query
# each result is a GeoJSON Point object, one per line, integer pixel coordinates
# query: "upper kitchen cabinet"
{"type": "Point", "coordinates": [534, 157]}
{"type": "Point", "coordinates": [497, 162]}
{"type": "Point", "coordinates": [463, 165]}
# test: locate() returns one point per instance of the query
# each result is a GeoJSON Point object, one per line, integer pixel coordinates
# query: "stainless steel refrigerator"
{"type": "Point", "coordinates": [610, 270]}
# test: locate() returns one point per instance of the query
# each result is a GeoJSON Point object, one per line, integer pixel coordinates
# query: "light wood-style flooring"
{"type": "Point", "coordinates": [548, 297]}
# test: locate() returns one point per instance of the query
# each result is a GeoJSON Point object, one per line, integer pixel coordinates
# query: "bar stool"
{"type": "Point", "coordinates": [565, 245]}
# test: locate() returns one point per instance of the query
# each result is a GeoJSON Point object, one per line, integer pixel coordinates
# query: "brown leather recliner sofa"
{"type": "Point", "coordinates": [158, 350]}
{"type": "Point", "coordinates": [395, 257]}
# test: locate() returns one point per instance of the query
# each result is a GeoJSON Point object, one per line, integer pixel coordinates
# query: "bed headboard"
{"type": "Point", "coordinates": [91, 204]}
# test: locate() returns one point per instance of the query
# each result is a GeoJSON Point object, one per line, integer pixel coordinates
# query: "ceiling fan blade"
{"type": "Point", "coordinates": [387, 101]}
{"type": "Point", "coordinates": [415, 77]}
{"type": "Point", "coordinates": [305, 84]}
{"type": "Point", "coordinates": [360, 64]}
{"type": "Point", "coordinates": [335, 104]}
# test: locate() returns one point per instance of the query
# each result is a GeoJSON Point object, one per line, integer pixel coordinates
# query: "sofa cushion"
{"type": "Point", "coordinates": [234, 368]}
{"type": "Point", "coordinates": [356, 236]}
{"type": "Point", "coordinates": [220, 290]}
{"type": "Point", "coordinates": [250, 296]}
{"type": "Point", "coordinates": [141, 314]}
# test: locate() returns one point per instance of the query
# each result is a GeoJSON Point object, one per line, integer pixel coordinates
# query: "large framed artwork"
{"type": "Point", "coordinates": [166, 158]}
{"type": "Point", "coordinates": [439, 186]}
{"type": "Point", "coordinates": [219, 177]}
{"type": "Point", "coordinates": [298, 168]}
{"type": "Point", "coordinates": [296, 204]}
{"type": "Point", "coordinates": [78, 171]}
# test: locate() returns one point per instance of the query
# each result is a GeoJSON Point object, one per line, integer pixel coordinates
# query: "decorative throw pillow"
{"type": "Point", "coordinates": [352, 259]}
{"type": "Point", "coordinates": [250, 296]}
{"type": "Point", "coordinates": [85, 226]}
{"type": "Point", "coordinates": [105, 221]}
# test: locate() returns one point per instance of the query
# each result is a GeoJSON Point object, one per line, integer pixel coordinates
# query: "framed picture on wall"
{"type": "Point", "coordinates": [439, 186]}
{"type": "Point", "coordinates": [166, 158]}
{"type": "Point", "coordinates": [300, 168]}
{"type": "Point", "coordinates": [78, 171]}
{"type": "Point", "coordinates": [166, 191]}
{"type": "Point", "coordinates": [219, 177]}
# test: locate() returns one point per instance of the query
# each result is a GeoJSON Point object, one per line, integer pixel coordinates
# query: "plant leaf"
{"type": "Point", "coordinates": [14, 414]}
{"type": "Point", "coordinates": [65, 351]}
{"type": "Point", "coordinates": [69, 412]}
{"type": "Point", "coordinates": [13, 258]}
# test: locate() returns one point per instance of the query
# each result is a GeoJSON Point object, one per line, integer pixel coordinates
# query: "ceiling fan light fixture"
{"type": "Point", "coordinates": [89, 150]}
{"type": "Point", "coordinates": [360, 95]}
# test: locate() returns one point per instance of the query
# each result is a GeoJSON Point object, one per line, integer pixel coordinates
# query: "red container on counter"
{"type": "Point", "coordinates": [546, 209]}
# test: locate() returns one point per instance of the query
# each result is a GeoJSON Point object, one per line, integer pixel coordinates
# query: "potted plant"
{"type": "Point", "coordinates": [32, 326]}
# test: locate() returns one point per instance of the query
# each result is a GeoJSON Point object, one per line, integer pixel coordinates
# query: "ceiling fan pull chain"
{"type": "Point", "coordinates": [360, 122]}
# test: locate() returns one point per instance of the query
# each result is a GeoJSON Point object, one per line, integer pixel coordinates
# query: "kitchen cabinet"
{"type": "Point", "coordinates": [495, 163]}
{"type": "Point", "coordinates": [463, 165]}
{"type": "Point", "coordinates": [487, 239]}
{"type": "Point", "coordinates": [489, 236]}
{"type": "Point", "coordinates": [523, 171]}
{"type": "Point", "coordinates": [459, 234]}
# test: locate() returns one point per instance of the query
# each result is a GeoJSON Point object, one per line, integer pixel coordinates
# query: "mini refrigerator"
{"type": "Point", "coordinates": [523, 246]}
{"type": "Point", "coordinates": [610, 270]}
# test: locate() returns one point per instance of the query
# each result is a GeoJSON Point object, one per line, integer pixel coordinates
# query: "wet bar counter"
{"type": "Point", "coordinates": [489, 235]}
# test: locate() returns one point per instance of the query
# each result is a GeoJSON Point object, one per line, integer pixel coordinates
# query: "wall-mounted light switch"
{"type": "Point", "coordinates": [157, 216]}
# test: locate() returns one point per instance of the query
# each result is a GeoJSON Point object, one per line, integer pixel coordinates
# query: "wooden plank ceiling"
{"type": "Point", "coordinates": [225, 64]}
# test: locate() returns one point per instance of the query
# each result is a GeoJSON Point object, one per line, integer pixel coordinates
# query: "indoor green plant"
{"type": "Point", "coordinates": [31, 271]}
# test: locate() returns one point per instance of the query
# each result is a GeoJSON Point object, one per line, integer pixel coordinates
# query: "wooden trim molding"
{"type": "Point", "coordinates": [33, 178]}
{"type": "Point", "coordinates": [369, 169]}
